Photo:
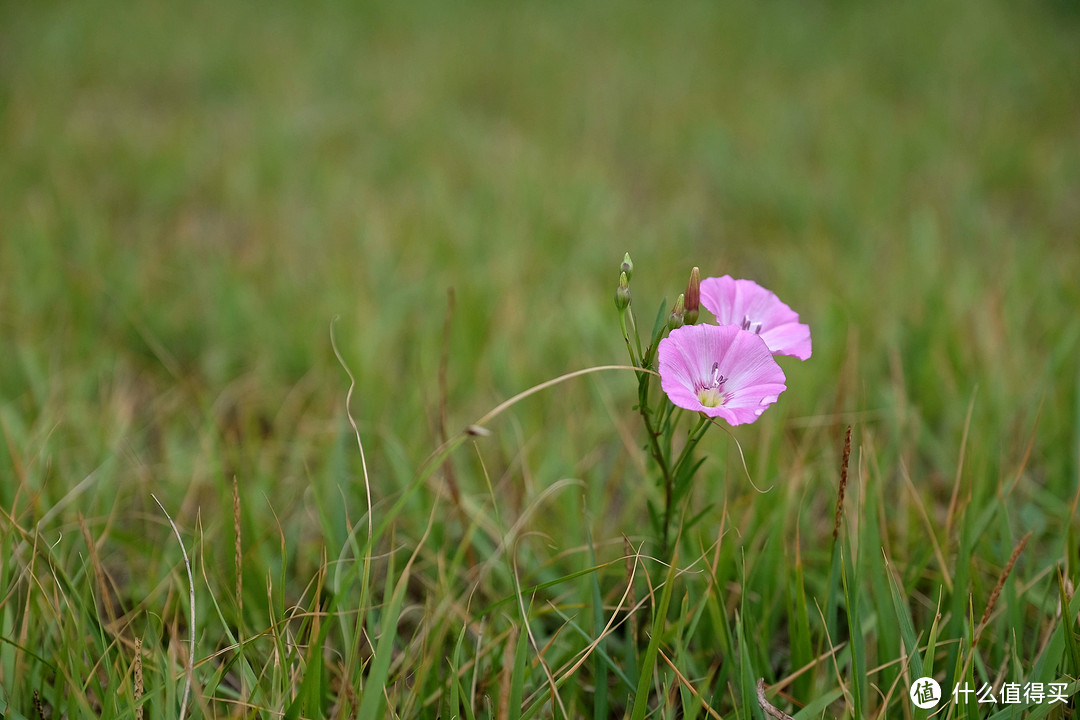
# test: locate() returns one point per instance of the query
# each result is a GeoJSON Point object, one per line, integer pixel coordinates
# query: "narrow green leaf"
{"type": "Point", "coordinates": [685, 476]}
{"type": "Point", "coordinates": [907, 628]}
{"type": "Point", "coordinates": [1051, 656]}
{"type": "Point", "coordinates": [815, 709]}
{"type": "Point", "coordinates": [747, 674]}
{"type": "Point", "coordinates": [466, 709]}
{"type": "Point", "coordinates": [854, 616]}
{"type": "Point", "coordinates": [308, 700]}
{"type": "Point", "coordinates": [6, 711]}
{"type": "Point", "coordinates": [802, 652]}
{"type": "Point", "coordinates": [455, 667]}
{"type": "Point", "coordinates": [540, 586]}
{"type": "Point", "coordinates": [832, 599]}
{"type": "Point", "coordinates": [517, 680]}
{"type": "Point", "coordinates": [648, 662]}
{"type": "Point", "coordinates": [928, 656]}
{"type": "Point", "coordinates": [961, 594]}
{"type": "Point", "coordinates": [609, 662]}
{"type": "Point", "coordinates": [372, 699]}
{"type": "Point", "coordinates": [1067, 623]}
{"type": "Point", "coordinates": [659, 322]}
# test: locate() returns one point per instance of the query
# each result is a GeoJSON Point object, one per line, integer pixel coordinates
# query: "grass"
{"type": "Point", "coordinates": [190, 194]}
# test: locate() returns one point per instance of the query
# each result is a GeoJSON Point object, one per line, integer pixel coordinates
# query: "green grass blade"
{"type": "Point", "coordinates": [747, 674]}
{"type": "Point", "coordinates": [372, 700]}
{"type": "Point", "coordinates": [517, 680]}
{"type": "Point", "coordinates": [815, 709]}
{"type": "Point", "coordinates": [648, 661]}
{"type": "Point", "coordinates": [1051, 656]}
{"type": "Point", "coordinates": [609, 662]}
{"type": "Point", "coordinates": [1068, 631]}
{"type": "Point", "coordinates": [455, 667]}
{"type": "Point", "coordinates": [857, 646]}
{"type": "Point", "coordinates": [834, 592]}
{"type": "Point", "coordinates": [907, 627]}
{"type": "Point", "coordinates": [802, 652]}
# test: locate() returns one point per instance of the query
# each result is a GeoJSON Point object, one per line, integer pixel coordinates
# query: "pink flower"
{"type": "Point", "coordinates": [720, 370]}
{"type": "Point", "coordinates": [751, 307]}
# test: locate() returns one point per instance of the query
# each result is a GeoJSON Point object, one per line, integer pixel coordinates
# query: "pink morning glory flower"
{"type": "Point", "coordinates": [720, 370]}
{"type": "Point", "coordinates": [751, 307]}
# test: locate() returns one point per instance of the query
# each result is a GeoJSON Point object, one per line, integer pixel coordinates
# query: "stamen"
{"type": "Point", "coordinates": [710, 393]}
{"type": "Point", "coordinates": [750, 326]}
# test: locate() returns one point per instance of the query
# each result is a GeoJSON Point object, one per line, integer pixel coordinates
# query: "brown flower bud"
{"type": "Point", "coordinates": [693, 297]}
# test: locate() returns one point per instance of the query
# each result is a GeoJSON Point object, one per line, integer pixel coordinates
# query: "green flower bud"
{"type": "Point", "coordinates": [627, 266]}
{"type": "Point", "coordinates": [622, 293]}
{"type": "Point", "coordinates": [676, 319]}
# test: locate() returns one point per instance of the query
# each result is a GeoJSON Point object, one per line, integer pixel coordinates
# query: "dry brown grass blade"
{"type": "Point", "coordinates": [238, 553]}
{"type": "Point", "coordinates": [356, 432]}
{"type": "Point", "coordinates": [843, 483]}
{"type": "Point", "coordinates": [992, 602]}
{"type": "Point", "coordinates": [478, 426]}
{"type": "Point", "coordinates": [138, 681]}
{"type": "Point", "coordinates": [627, 601]}
{"type": "Point", "coordinates": [686, 684]}
{"type": "Point", "coordinates": [104, 593]}
{"type": "Point", "coordinates": [768, 707]}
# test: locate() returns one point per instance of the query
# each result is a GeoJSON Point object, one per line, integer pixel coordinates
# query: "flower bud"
{"type": "Point", "coordinates": [622, 293]}
{"type": "Point", "coordinates": [693, 297]}
{"type": "Point", "coordinates": [676, 319]}
{"type": "Point", "coordinates": [627, 266]}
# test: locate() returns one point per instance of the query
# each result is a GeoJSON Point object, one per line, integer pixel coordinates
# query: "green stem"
{"type": "Point", "coordinates": [657, 452]}
{"type": "Point", "coordinates": [626, 337]}
{"type": "Point", "coordinates": [668, 420]}
{"type": "Point", "coordinates": [669, 489]}
{"type": "Point", "coordinates": [655, 431]}
{"type": "Point", "coordinates": [637, 336]}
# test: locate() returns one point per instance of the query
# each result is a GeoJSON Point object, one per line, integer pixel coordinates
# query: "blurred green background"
{"type": "Point", "coordinates": [191, 192]}
{"type": "Point", "coordinates": [199, 188]}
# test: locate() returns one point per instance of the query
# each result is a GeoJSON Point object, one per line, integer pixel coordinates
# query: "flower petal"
{"type": "Point", "coordinates": [753, 380]}
{"type": "Point", "coordinates": [791, 338]}
{"type": "Point", "coordinates": [735, 301]}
